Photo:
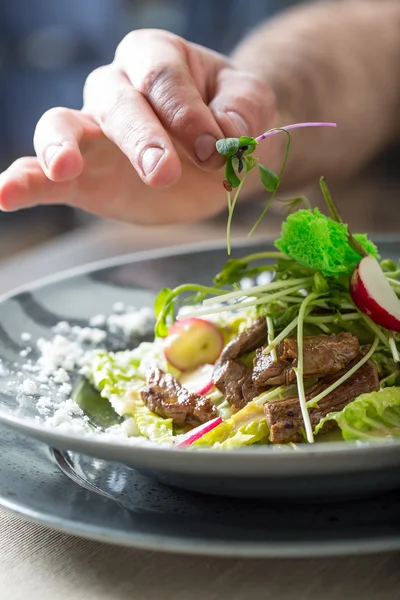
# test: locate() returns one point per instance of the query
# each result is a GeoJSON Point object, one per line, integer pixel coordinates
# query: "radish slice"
{"type": "Point", "coordinates": [372, 294]}
{"type": "Point", "coordinates": [193, 342]}
{"type": "Point", "coordinates": [198, 381]}
{"type": "Point", "coordinates": [197, 433]}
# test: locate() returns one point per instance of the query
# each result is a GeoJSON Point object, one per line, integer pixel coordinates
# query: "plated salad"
{"type": "Point", "coordinates": [284, 347]}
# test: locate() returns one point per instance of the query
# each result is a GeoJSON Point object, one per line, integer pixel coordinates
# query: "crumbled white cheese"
{"type": "Point", "coordinates": [59, 352]}
{"type": "Point", "coordinates": [25, 336]}
{"type": "Point", "coordinates": [65, 389]}
{"type": "Point", "coordinates": [138, 322]}
{"type": "Point", "coordinates": [44, 405]}
{"type": "Point", "coordinates": [62, 327]}
{"type": "Point", "coordinates": [24, 353]}
{"type": "Point", "coordinates": [97, 321]}
{"type": "Point", "coordinates": [88, 334]}
{"type": "Point", "coordinates": [61, 376]}
{"type": "Point", "coordinates": [29, 387]}
{"type": "Point", "coordinates": [118, 307]}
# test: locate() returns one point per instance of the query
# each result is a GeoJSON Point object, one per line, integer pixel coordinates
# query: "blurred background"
{"type": "Point", "coordinates": [48, 47]}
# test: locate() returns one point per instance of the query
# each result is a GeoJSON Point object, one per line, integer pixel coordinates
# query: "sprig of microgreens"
{"type": "Point", "coordinates": [336, 216]}
{"type": "Point", "coordinates": [239, 163]}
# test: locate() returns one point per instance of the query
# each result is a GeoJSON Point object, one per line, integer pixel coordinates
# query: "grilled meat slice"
{"type": "Point", "coordinates": [266, 371]}
{"type": "Point", "coordinates": [234, 380]}
{"type": "Point", "coordinates": [247, 341]}
{"type": "Point", "coordinates": [323, 355]}
{"type": "Point", "coordinates": [284, 417]}
{"type": "Point", "coordinates": [165, 396]}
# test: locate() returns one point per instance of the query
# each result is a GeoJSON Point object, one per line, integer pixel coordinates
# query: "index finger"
{"type": "Point", "coordinates": [165, 70]}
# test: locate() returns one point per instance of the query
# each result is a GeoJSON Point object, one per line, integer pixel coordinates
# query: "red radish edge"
{"type": "Point", "coordinates": [205, 389]}
{"type": "Point", "coordinates": [372, 294]}
{"type": "Point", "coordinates": [197, 433]}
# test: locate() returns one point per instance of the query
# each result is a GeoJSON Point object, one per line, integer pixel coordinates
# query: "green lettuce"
{"type": "Point", "coordinates": [250, 433]}
{"type": "Point", "coordinates": [371, 417]}
{"type": "Point", "coordinates": [150, 425]}
{"type": "Point", "coordinates": [118, 378]}
{"type": "Point", "coordinates": [94, 405]}
{"type": "Point", "coordinates": [245, 427]}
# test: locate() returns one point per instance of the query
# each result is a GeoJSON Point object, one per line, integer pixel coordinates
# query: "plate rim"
{"type": "Point", "coordinates": [195, 547]}
{"type": "Point", "coordinates": [163, 251]}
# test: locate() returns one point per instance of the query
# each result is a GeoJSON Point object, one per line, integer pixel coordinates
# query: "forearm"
{"type": "Point", "coordinates": [335, 61]}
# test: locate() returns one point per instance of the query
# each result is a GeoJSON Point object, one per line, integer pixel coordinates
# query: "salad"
{"type": "Point", "coordinates": [283, 347]}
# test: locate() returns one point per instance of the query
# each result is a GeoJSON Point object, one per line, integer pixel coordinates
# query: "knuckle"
{"type": "Point", "coordinates": [136, 37]}
{"type": "Point", "coordinates": [117, 125]}
{"type": "Point", "coordinates": [179, 117]}
{"type": "Point", "coordinates": [56, 113]}
{"type": "Point", "coordinates": [116, 107]}
{"type": "Point", "coordinates": [157, 78]}
{"type": "Point", "coordinates": [92, 80]}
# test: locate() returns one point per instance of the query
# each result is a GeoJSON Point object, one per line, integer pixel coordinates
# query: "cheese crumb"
{"type": "Point", "coordinates": [118, 307]}
{"type": "Point", "coordinates": [25, 336]}
{"type": "Point", "coordinates": [61, 376]}
{"type": "Point", "coordinates": [97, 321]}
{"type": "Point", "coordinates": [29, 387]}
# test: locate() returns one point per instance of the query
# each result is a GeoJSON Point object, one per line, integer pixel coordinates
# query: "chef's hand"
{"type": "Point", "coordinates": [142, 149]}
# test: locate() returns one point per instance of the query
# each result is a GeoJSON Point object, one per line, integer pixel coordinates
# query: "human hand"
{"type": "Point", "coordinates": [142, 149]}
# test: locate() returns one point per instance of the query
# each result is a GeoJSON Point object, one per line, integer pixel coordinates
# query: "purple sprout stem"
{"type": "Point", "coordinates": [262, 137]}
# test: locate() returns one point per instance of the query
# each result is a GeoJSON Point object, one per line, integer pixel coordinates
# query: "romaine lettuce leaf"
{"type": "Point", "coordinates": [94, 405]}
{"type": "Point", "coordinates": [250, 433]}
{"type": "Point", "coordinates": [119, 376]}
{"type": "Point", "coordinates": [150, 425]}
{"type": "Point", "coordinates": [246, 424]}
{"type": "Point", "coordinates": [116, 375]}
{"type": "Point", "coordinates": [371, 417]}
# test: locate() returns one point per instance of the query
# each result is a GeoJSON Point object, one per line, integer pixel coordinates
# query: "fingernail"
{"type": "Point", "coordinates": [238, 122]}
{"type": "Point", "coordinates": [204, 146]}
{"type": "Point", "coordinates": [150, 159]}
{"type": "Point", "coordinates": [50, 152]}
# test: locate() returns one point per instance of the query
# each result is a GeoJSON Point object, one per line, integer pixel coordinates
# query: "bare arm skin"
{"type": "Point", "coordinates": [334, 61]}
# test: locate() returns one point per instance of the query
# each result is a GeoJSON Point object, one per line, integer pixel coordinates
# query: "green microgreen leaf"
{"type": "Point", "coordinates": [388, 265]}
{"type": "Point", "coordinates": [160, 301]}
{"type": "Point", "coordinates": [250, 162]}
{"type": "Point", "coordinates": [320, 284]}
{"type": "Point", "coordinates": [294, 204]}
{"type": "Point", "coordinates": [245, 140]}
{"type": "Point", "coordinates": [336, 216]}
{"type": "Point", "coordinates": [249, 150]}
{"type": "Point", "coordinates": [228, 146]}
{"type": "Point", "coordinates": [230, 174]}
{"type": "Point", "coordinates": [269, 179]}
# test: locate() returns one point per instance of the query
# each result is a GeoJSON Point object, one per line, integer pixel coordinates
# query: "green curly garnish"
{"type": "Point", "coordinates": [320, 243]}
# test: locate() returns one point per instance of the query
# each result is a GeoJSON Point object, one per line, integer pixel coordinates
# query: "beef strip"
{"type": "Point", "coordinates": [322, 355]}
{"type": "Point", "coordinates": [165, 396]}
{"type": "Point", "coordinates": [284, 417]}
{"type": "Point", "coordinates": [247, 341]}
{"type": "Point", "coordinates": [231, 376]}
{"type": "Point", "coordinates": [234, 380]}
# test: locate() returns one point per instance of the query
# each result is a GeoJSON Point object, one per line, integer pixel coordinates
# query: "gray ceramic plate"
{"type": "Point", "coordinates": [113, 503]}
{"type": "Point", "coordinates": [323, 469]}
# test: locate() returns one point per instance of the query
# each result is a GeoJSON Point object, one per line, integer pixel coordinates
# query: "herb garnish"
{"type": "Point", "coordinates": [239, 163]}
